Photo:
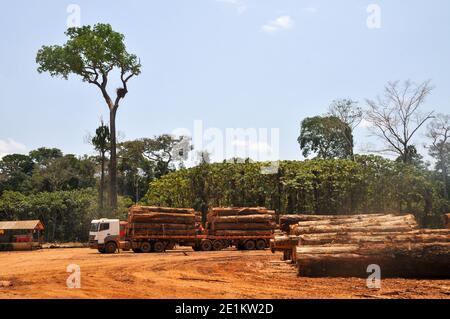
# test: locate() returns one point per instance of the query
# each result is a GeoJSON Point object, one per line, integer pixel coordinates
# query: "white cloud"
{"type": "Point", "coordinates": [240, 5]}
{"type": "Point", "coordinates": [280, 23]}
{"type": "Point", "coordinates": [9, 146]}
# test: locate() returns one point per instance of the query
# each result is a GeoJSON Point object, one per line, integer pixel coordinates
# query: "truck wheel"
{"type": "Point", "coordinates": [260, 244]}
{"type": "Point", "coordinates": [102, 251]}
{"type": "Point", "coordinates": [146, 247]}
{"type": "Point", "coordinates": [137, 250]}
{"type": "Point", "coordinates": [159, 247]}
{"type": "Point", "coordinates": [249, 245]}
{"type": "Point", "coordinates": [110, 248]}
{"type": "Point", "coordinates": [217, 245]}
{"type": "Point", "coordinates": [206, 245]}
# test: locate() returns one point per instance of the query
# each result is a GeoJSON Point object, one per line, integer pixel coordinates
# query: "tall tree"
{"type": "Point", "coordinates": [92, 53]}
{"type": "Point", "coordinates": [439, 134]}
{"type": "Point", "coordinates": [396, 117]}
{"type": "Point", "coordinates": [350, 114]}
{"type": "Point", "coordinates": [101, 142]}
{"type": "Point", "coordinates": [327, 137]}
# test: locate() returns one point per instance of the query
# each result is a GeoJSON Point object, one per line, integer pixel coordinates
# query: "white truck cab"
{"type": "Point", "coordinates": [102, 232]}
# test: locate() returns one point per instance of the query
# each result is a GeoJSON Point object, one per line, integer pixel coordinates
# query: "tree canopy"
{"type": "Point", "coordinates": [326, 136]}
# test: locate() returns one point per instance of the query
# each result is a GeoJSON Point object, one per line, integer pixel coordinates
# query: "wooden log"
{"type": "Point", "coordinates": [242, 233]}
{"type": "Point", "coordinates": [162, 218]}
{"type": "Point", "coordinates": [244, 226]}
{"type": "Point", "coordinates": [242, 219]}
{"type": "Point", "coordinates": [155, 232]}
{"type": "Point", "coordinates": [350, 228]}
{"type": "Point", "coordinates": [163, 226]}
{"type": "Point", "coordinates": [418, 236]}
{"type": "Point", "coordinates": [302, 217]}
{"type": "Point", "coordinates": [240, 211]}
{"type": "Point", "coordinates": [281, 243]}
{"type": "Point", "coordinates": [154, 209]}
{"type": "Point", "coordinates": [362, 221]}
{"type": "Point", "coordinates": [431, 260]}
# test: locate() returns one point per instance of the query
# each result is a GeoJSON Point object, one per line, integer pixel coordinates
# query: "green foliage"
{"type": "Point", "coordinates": [45, 170]}
{"type": "Point", "coordinates": [327, 137]}
{"type": "Point", "coordinates": [89, 52]}
{"type": "Point", "coordinates": [366, 185]}
{"type": "Point", "coordinates": [66, 214]}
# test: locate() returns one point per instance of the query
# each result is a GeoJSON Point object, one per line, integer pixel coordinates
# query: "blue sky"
{"type": "Point", "coordinates": [229, 63]}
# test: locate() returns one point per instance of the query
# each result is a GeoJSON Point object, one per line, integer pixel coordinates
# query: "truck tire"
{"type": "Point", "coordinates": [101, 250]}
{"type": "Point", "coordinates": [206, 245]}
{"type": "Point", "coordinates": [137, 250]}
{"type": "Point", "coordinates": [146, 247]}
{"type": "Point", "coordinates": [110, 248]}
{"type": "Point", "coordinates": [249, 245]}
{"type": "Point", "coordinates": [217, 245]}
{"type": "Point", "coordinates": [159, 247]}
{"type": "Point", "coordinates": [260, 244]}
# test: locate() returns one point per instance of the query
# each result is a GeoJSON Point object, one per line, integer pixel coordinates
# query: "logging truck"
{"type": "Point", "coordinates": [111, 235]}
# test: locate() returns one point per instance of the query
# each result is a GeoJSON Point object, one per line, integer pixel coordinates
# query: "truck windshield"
{"type": "Point", "coordinates": [94, 227]}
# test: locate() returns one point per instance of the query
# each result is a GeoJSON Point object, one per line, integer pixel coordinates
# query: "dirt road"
{"type": "Point", "coordinates": [185, 274]}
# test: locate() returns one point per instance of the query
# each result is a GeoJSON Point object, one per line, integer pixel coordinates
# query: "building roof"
{"type": "Point", "coordinates": [22, 225]}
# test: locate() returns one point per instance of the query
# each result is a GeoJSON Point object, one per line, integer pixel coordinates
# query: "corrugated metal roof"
{"type": "Point", "coordinates": [22, 225]}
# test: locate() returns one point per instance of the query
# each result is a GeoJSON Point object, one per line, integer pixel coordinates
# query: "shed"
{"type": "Point", "coordinates": [20, 231]}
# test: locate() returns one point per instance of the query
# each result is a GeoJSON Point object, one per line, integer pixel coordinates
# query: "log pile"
{"type": "Point", "coordinates": [356, 223]}
{"type": "Point", "coordinates": [346, 245]}
{"type": "Point", "coordinates": [239, 222]}
{"type": "Point", "coordinates": [161, 221]}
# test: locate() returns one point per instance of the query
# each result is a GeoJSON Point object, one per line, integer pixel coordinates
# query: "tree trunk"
{"type": "Point", "coordinates": [102, 181]}
{"type": "Point", "coordinates": [113, 160]}
{"type": "Point", "coordinates": [445, 180]}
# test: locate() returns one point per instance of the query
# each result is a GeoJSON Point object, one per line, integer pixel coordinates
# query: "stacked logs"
{"type": "Point", "coordinates": [161, 221]}
{"type": "Point", "coordinates": [357, 223]}
{"type": "Point", "coordinates": [241, 222]}
{"type": "Point", "coordinates": [347, 245]}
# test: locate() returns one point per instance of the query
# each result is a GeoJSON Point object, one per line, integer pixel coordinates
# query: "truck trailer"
{"type": "Point", "coordinates": [160, 230]}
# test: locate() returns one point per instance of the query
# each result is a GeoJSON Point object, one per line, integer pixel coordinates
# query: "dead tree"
{"type": "Point", "coordinates": [396, 117]}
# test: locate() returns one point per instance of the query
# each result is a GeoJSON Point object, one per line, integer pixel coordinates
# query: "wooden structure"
{"type": "Point", "coordinates": [20, 235]}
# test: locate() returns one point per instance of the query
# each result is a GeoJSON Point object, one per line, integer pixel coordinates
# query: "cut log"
{"type": "Point", "coordinates": [242, 219]}
{"type": "Point", "coordinates": [418, 236]}
{"type": "Point", "coordinates": [243, 226]}
{"type": "Point", "coordinates": [162, 218]}
{"type": "Point", "coordinates": [170, 226]}
{"type": "Point", "coordinates": [430, 260]}
{"type": "Point", "coordinates": [158, 232]}
{"type": "Point", "coordinates": [240, 211]}
{"type": "Point", "coordinates": [362, 221]}
{"type": "Point", "coordinates": [447, 220]}
{"type": "Point", "coordinates": [153, 209]}
{"type": "Point", "coordinates": [242, 233]}
{"type": "Point", "coordinates": [350, 228]}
